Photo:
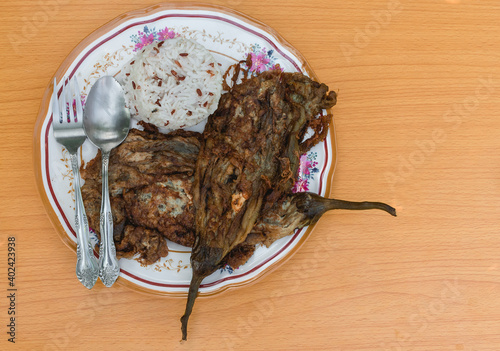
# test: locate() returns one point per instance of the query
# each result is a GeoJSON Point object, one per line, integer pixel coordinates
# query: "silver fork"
{"type": "Point", "coordinates": [69, 132]}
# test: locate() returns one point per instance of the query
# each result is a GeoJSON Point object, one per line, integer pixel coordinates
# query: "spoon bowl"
{"type": "Point", "coordinates": [106, 121]}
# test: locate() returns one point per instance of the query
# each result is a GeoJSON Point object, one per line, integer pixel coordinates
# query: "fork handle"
{"type": "Point", "coordinates": [86, 264]}
{"type": "Point", "coordinates": [109, 269]}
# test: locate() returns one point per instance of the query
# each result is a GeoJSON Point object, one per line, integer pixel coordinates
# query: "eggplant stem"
{"type": "Point", "coordinates": [192, 294]}
{"type": "Point", "coordinates": [334, 204]}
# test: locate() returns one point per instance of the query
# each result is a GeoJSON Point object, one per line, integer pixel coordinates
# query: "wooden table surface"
{"type": "Point", "coordinates": [417, 126]}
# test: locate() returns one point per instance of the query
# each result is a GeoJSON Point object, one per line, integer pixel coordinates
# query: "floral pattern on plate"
{"type": "Point", "coordinates": [262, 59]}
{"type": "Point", "coordinates": [308, 168]}
{"type": "Point", "coordinates": [148, 36]}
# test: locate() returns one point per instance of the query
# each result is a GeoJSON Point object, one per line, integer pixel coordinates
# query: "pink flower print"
{"type": "Point", "coordinates": [300, 186]}
{"type": "Point", "coordinates": [165, 34]}
{"type": "Point", "coordinates": [259, 62]}
{"type": "Point", "coordinates": [305, 165]}
{"type": "Point", "coordinates": [144, 40]}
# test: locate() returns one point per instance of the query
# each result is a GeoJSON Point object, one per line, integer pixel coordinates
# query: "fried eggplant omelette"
{"type": "Point", "coordinates": [134, 235]}
{"type": "Point", "coordinates": [224, 191]}
{"type": "Point", "coordinates": [150, 177]}
{"type": "Point", "coordinates": [247, 162]}
{"type": "Point", "coordinates": [151, 198]}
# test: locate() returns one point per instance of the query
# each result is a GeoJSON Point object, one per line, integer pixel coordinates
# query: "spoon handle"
{"type": "Point", "coordinates": [86, 264]}
{"type": "Point", "coordinates": [109, 269]}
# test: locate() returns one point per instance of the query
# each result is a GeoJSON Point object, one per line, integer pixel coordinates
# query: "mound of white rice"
{"type": "Point", "coordinates": [174, 83]}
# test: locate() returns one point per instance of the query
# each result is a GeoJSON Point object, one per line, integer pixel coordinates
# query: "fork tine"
{"type": "Point", "coordinates": [62, 103]}
{"type": "Point", "coordinates": [56, 115]}
{"type": "Point", "coordinates": [78, 100]}
{"type": "Point", "coordinates": [69, 101]}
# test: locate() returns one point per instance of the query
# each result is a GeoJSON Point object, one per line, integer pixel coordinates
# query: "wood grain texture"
{"type": "Point", "coordinates": [417, 126]}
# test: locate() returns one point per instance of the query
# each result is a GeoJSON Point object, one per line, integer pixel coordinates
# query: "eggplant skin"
{"type": "Point", "coordinates": [249, 153]}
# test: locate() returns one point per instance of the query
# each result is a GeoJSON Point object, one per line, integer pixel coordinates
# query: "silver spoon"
{"type": "Point", "coordinates": [106, 121]}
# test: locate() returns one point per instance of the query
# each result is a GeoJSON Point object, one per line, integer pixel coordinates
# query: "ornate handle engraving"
{"type": "Point", "coordinates": [87, 270]}
{"type": "Point", "coordinates": [109, 269]}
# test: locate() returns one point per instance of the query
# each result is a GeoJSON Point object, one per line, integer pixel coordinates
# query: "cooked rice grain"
{"type": "Point", "coordinates": [174, 83]}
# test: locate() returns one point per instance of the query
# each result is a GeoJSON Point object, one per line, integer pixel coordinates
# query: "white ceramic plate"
{"type": "Point", "coordinates": [230, 36]}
